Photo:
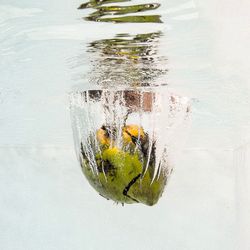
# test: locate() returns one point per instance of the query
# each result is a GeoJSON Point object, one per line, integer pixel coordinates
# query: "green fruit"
{"type": "Point", "coordinates": [121, 175]}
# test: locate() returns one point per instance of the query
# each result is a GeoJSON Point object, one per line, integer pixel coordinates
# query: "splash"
{"type": "Point", "coordinates": [120, 143]}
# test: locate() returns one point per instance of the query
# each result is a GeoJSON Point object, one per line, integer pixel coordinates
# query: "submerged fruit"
{"type": "Point", "coordinates": [125, 171]}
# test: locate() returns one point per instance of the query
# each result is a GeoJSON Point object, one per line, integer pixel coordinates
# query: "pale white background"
{"type": "Point", "coordinates": [45, 202]}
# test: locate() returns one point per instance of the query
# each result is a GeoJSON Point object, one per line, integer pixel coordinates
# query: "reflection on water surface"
{"type": "Point", "coordinates": [127, 60]}
{"type": "Point", "coordinates": [101, 11]}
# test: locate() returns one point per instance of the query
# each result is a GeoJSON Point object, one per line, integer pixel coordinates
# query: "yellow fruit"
{"type": "Point", "coordinates": [102, 137]}
{"type": "Point", "coordinates": [131, 133]}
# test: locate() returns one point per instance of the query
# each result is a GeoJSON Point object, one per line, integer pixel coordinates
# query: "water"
{"type": "Point", "coordinates": [47, 51]}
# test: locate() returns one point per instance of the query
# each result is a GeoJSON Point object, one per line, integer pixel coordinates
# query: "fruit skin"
{"type": "Point", "coordinates": [120, 174]}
